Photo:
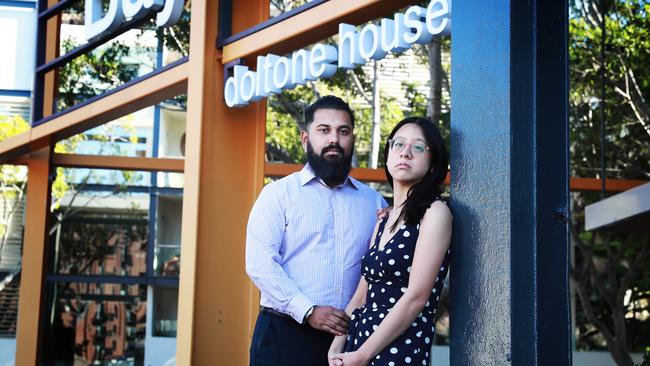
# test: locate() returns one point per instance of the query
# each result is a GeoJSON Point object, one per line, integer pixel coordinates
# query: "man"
{"type": "Point", "coordinates": [306, 235]}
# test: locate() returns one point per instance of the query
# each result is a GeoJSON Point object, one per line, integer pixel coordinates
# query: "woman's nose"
{"type": "Point", "coordinates": [406, 152]}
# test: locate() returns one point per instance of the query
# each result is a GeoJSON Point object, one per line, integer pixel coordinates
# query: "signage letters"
{"type": "Point", "coordinates": [274, 73]}
{"type": "Point", "coordinates": [97, 25]}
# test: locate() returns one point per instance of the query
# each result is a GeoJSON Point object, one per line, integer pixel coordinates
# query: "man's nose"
{"type": "Point", "coordinates": [333, 138]}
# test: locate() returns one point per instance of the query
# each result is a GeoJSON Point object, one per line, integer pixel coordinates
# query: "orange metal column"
{"type": "Point", "coordinates": [224, 171]}
{"type": "Point", "coordinates": [37, 211]}
{"type": "Point", "coordinates": [31, 283]}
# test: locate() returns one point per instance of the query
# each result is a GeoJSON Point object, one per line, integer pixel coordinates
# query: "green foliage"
{"type": "Point", "coordinates": [609, 255]}
{"type": "Point", "coordinates": [93, 73]}
{"type": "Point", "coordinates": [282, 6]}
{"type": "Point", "coordinates": [12, 177]}
{"type": "Point", "coordinates": [11, 126]}
{"type": "Point", "coordinates": [628, 50]}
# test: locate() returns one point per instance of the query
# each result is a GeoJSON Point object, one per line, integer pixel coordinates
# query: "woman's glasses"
{"type": "Point", "coordinates": [417, 148]}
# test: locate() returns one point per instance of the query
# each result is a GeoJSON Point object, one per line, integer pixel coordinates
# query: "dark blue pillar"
{"type": "Point", "coordinates": [509, 184]}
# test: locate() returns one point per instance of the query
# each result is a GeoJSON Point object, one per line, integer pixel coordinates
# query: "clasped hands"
{"type": "Point", "coordinates": [347, 359]}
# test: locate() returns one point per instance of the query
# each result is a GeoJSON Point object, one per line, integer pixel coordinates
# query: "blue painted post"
{"type": "Point", "coordinates": [509, 184]}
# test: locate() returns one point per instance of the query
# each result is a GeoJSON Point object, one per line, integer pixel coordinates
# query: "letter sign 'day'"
{"type": "Point", "coordinates": [98, 25]}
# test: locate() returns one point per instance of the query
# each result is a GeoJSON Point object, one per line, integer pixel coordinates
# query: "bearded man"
{"type": "Point", "coordinates": [305, 238]}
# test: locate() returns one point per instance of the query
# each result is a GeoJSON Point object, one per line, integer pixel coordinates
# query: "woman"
{"type": "Point", "coordinates": [393, 308]}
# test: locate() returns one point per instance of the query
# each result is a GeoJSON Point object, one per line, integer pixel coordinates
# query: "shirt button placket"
{"type": "Point", "coordinates": [338, 223]}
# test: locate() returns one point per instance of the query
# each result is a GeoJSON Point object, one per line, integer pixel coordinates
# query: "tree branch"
{"type": "Point", "coordinates": [359, 87]}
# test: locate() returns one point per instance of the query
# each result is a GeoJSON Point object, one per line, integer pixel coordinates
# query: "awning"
{"type": "Point", "coordinates": [627, 211]}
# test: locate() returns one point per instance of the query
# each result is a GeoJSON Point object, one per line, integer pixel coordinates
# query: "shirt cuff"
{"type": "Point", "coordinates": [298, 307]}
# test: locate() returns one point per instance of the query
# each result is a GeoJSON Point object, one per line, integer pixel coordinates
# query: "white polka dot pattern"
{"type": "Point", "coordinates": [387, 272]}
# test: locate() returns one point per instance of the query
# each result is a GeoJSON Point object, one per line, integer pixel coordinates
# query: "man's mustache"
{"type": "Point", "coordinates": [336, 148]}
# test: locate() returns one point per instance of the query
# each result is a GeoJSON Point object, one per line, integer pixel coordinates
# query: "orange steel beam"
{"type": "Point", "coordinates": [37, 212]}
{"type": "Point", "coordinates": [611, 185]}
{"type": "Point", "coordinates": [224, 172]}
{"type": "Point", "coordinates": [309, 26]}
{"type": "Point", "coordinates": [157, 88]}
{"type": "Point", "coordinates": [118, 162]}
{"type": "Point", "coordinates": [377, 175]}
{"type": "Point", "coordinates": [278, 170]}
{"type": "Point", "coordinates": [51, 52]}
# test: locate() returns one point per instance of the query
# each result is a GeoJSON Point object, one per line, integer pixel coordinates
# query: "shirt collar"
{"type": "Point", "coordinates": [307, 174]}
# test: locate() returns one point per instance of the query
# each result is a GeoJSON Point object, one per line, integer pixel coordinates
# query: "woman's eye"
{"type": "Point", "coordinates": [418, 148]}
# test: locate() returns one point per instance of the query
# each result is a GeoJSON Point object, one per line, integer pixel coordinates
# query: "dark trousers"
{"type": "Point", "coordinates": [279, 341]}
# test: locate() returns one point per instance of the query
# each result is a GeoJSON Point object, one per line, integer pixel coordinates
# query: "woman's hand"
{"type": "Point", "coordinates": [335, 349]}
{"type": "Point", "coordinates": [334, 359]}
{"type": "Point", "coordinates": [348, 359]}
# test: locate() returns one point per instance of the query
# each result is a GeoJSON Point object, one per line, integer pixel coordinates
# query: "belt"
{"type": "Point", "coordinates": [264, 309]}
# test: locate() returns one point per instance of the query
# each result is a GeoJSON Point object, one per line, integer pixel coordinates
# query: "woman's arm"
{"type": "Point", "coordinates": [430, 249]}
{"type": "Point", "coordinates": [357, 300]}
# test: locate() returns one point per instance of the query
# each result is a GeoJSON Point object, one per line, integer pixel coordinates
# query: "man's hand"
{"type": "Point", "coordinates": [383, 212]}
{"type": "Point", "coordinates": [329, 319]}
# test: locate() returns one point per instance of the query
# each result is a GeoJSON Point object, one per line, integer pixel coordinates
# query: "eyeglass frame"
{"type": "Point", "coordinates": [414, 152]}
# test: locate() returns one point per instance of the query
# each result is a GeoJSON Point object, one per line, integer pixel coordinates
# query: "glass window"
{"type": "Point", "coordinates": [95, 243]}
{"type": "Point", "coordinates": [154, 131]}
{"type": "Point", "coordinates": [167, 259]}
{"type": "Point", "coordinates": [13, 183]}
{"type": "Point", "coordinates": [125, 57]}
{"type": "Point", "coordinates": [95, 324]}
{"type": "Point", "coordinates": [165, 311]}
{"type": "Point", "coordinates": [401, 82]}
{"type": "Point", "coordinates": [279, 7]}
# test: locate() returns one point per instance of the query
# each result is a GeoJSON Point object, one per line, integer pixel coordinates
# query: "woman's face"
{"type": "Point", "coordinates": [414, 160]}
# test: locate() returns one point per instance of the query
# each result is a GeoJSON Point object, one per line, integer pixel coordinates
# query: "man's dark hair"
{"type": "Point", "coordinates": [327, 102]}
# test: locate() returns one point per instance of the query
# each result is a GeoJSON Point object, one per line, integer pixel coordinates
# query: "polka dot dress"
{"type": "Point", "coordinates": [387, 272]}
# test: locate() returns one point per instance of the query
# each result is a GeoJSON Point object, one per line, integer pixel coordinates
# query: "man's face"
{"type": "Point", "coordinates": [330, 135]}
{"type": "Point", "coordinates": [328, 143]}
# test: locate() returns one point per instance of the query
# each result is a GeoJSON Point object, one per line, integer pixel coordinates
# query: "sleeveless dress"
{"type": "Point", "coordinates": [387, 272]}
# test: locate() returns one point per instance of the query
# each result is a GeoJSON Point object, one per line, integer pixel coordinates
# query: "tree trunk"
{"type": "Point", "coordinates": [436, 75]}
{"type": "Point", "coordinates": [376, 117]}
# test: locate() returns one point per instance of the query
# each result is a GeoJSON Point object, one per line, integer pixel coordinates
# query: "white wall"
{"type": "Point", "coordinates": [7, 351]}
{"type": "Point", "coordinates": [18, 30]}
{"type": "Point", "coordinates": [599, 358]}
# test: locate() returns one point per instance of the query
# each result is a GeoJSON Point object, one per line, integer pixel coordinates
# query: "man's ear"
{"type": "Point", "coordinates": [304, 137]}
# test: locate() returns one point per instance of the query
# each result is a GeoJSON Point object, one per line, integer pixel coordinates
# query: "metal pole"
{"type": "Point", "coordinates": [603, 172]}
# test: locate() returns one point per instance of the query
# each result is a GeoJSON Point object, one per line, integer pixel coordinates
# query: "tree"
{"type": "Point", "coordinates": [12, 178]}
{"type": "Point", "coordinates": [627, 88]}
{"type": "Point", "coordinates": [610, 274]}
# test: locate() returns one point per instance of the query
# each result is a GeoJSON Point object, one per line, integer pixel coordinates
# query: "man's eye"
{"type": "Point", "coordinates": [323, 130]}
{"type": "Point", "coordinates": [344, 132]}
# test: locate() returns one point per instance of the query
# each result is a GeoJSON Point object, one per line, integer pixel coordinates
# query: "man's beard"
{"type": "Point", "coordinates": [331, 170]}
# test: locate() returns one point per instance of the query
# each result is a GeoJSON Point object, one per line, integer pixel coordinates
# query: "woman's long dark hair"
{"type": "Point", "coordinates": [422, 194]}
